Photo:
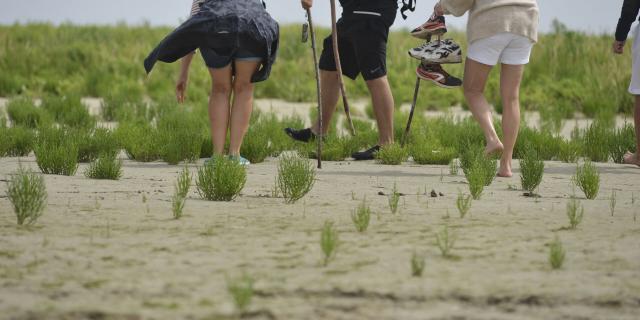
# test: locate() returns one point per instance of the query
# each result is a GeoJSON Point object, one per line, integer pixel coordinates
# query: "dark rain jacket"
{"type": "Point", "coordinates": [221, 24]}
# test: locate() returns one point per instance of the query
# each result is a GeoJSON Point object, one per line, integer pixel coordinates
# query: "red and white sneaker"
{"type": "Point", "coordinates": [435, 26]}
{"type": "Point", "coordinates": [437, 75]}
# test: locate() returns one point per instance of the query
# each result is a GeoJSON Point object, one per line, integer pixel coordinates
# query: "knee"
{"type": "Point", "coordinates": [222, 88]}
{"type": "Point", "coordinates": [472, 93]}
{"type": "Point", "coordinates": [242, 87]}
{"type": "Point", "coordinates": [511, 99]}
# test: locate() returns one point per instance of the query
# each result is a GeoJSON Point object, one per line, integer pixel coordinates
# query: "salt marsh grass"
{"type": "Point", "coordinates": [556, 253]}
{"type": "Point", "coordinates": [575, 212]}
{"type": "Point", "coordinates": [105, 167]}
{"type": "Point", "coordinates": [23, 112]}
{"type": "Point", "coordinates": [361, 216]}
{"type": "Point", "coordinates": [241, 291]}
{"type": "Point", "coordinates": [587, 178]}
{"type": "Point", "coordinates": [329, 241]}
{"type": "Point", "coordinates": [392, 154]}
{"type": "Point", "coordinates": [27, 193]}
{"type": "Point", "coordinates": [426, 153]}
{"type": "Point", "coordinates": [476, 179]}
{"type": "Point", "coordinates": [57, 152]}
{"type": "Point", "coordinates": [179, 135]}
{"type": "Point", "coordinates": [140, 141]}
{"type": "Point", "coordinates": [221, 179]}
{"type": "Point", "coordinates": [296, 177]}
{"type": "Point", "coordinates": [394, 199]}
{"type": "Point", "coordinates": [445, 241]}
{"type": "Point", "coordinates": [463, 204]}
{"type": "Point", "coordinates": [68, 111]}
{"type": "Point", "coordinates": [417, 264]}
{"type": "Point", "coordinates": [181, 190]}
{"type": "Point", "coordinates": [16, 141]}
{"type": "Point", "coordinates": [532, 170]}
{"type": "Point", "coordinates": [96, 142]}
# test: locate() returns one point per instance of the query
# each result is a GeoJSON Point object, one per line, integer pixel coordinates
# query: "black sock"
{"type": "Point", "coordinates": [303, 135]}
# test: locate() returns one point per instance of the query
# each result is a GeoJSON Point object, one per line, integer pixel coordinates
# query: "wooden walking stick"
{"type": "Point", "coordinates": [318, 90]}
{"type": "Point", "coordinates": [336, 55]}
{"type": "Point", "coordinates": [413, 108]}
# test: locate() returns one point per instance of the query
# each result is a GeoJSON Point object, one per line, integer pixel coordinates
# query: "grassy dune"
{"type": "Point", "coordinates": [569, 72]}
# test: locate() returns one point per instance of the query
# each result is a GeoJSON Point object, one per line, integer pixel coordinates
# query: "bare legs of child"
{"type": "Point", "coordinates": [475, 79]}
{"type": "Point", "coordinates": [225, 114]}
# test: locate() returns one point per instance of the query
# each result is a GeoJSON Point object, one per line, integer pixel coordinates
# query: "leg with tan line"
{"type": "Point", "coordinates": [510, 79]}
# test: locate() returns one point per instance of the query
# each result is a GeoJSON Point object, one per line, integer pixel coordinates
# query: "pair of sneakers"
{"type": "Point", "coordinates": [434, 53]}
{"type": "Point", "coordinates": [306, 135]}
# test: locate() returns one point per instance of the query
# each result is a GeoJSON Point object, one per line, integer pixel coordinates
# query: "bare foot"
{"type": "Point", "coordinates": [493, 147]}
{"type": "Point", "coordinates": [631, 158]}
{"type": "Point", "coordinates": [505, 170]}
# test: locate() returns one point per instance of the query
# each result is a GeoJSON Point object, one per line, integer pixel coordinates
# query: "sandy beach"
{"type": "Point", "coordinates": [111, 250]}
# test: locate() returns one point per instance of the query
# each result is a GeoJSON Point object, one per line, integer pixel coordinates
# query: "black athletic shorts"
{"type": "Point", "coordinates": [362, 45]}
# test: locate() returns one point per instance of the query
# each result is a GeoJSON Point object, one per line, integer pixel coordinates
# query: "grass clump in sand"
{"type": "Point", "coordinates": [180, 137]}
{"type": "Point", "coordinates": [394, 199]}
{"type": "Point", "coordinates": [106, 167]}
{"type": "Point", "coordinates": [140, 141]}
{"type": "Point", "coordinates": [473, 158]}
{"type": "Point", "coordinates": [476, 178]}
{"type": "Point", "coordinates": [445, 242]}
{"type": "Point", "coordinates": [296, 177]}
{"type": "Point", "coordinates": [427, 153]}
{"type": "Point", "coordinates": [221, 179]}
{"type": "Point", "coordinates": [100, 141]}
{"type": "Point", "coordinates": [328, 241]}
{"type": "Point", "coordinates": [392, 154]}
{"type": "Point", "coordinates": [27, 193]}
{"type": "Point", "coordinates": [596, 140]}
{"type": "Point", "coordinates": [417, 264]}
{"type": "Point", "coordinates": [463, 204]}
{"type": "Point", "coordinates": [241, 291]}
{"type": "Point", "coordinates": [16, 141]}
{"type": "Point", "coordinates": [57, 152]}
{"type": "Point", "coordinates": [361, 216]}
{"type": "Point", "coordinates": [68, 111]}
{"type": "Point", "coordinates": [454, 167]}
{"type": "Point", "coordinates": [23, 112]}
{"type": "Point", "coordinates": [575, 212]}
{"type": "Point", "coordinates": [569, 151]}
{"type": "Point", "coordinates": [532, 170]}
{"type": "Point", "coordinates": [556, 254]}
{"type": "Point", "coordinates": [180, 193]}
{"type": "Point", "coordinates": [587, 178]}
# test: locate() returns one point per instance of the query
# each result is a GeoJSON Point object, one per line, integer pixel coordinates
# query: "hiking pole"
{"type": "Point", "coordinates": [413, 105]}
{"type": "Point", "coordinates": [318, 90]}
{"type": "Point", "coordinates": [336, 55]}
{"type": "Point", "coordinates": [413, 108]}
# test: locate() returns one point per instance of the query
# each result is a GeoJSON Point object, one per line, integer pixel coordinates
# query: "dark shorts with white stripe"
{"type": "Point", "coordinates": [362, 45]}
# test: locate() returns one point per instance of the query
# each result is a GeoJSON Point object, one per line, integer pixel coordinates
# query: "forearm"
{"type": "Point", "coordinates": [186, 63]}
{"type": "Point", "coordinates": [628, 15]}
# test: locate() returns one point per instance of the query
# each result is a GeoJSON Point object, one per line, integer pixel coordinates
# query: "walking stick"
{"type": "Point", "coordinates": [318, 90]}
{"type": "Point", "coordinates": [413, 108]}
{"type": "Point", "coordinates": [336, 55]}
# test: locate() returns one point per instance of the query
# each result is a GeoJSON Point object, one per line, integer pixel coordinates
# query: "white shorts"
{"type": "Point", "coordinates": [506, 48]}
{"type": "Point", "coordinates": [634, 87]}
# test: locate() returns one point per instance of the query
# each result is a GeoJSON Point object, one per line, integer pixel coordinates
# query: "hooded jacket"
{"type": "Point", "coordinates": [221, 23]}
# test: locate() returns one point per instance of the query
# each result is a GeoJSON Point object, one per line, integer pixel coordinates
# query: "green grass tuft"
{"type": "Point", "coordinates": [106, 167]}
{"type": "Point", "coordinates": [556, 254]}
{"type": "Point", "coordinates": [587, 178]}
{"type": "Point", "coordinates": [296, 177]}
{"type": "Point", "coordinates": [417, 264]}
{"type": "Point", "coordinates": [56, 151]}
{"type": "Point", "coordinates": [392, 154]}
{"type": "Point", "coordinates": [27, 193]}
{"type": "Point", "coordinates": [241, 291]}
{"type": "Point", "coordinates": [361, 216]}
{"type": "Point", "coordinates": [532, 170]}
{"type": "Point", "coordinates": [221, 179]}
{"type": "Point", "coordinates": [329, 241]}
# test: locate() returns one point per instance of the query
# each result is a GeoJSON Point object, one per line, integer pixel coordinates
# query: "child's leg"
{"type": "Point", "coordinates": [475, 79]}
{"type": "Point", "coordinates": [510, 79]}
{"type": "Point", "coordinates": [242, 103]}
{"type": "Point", "coordinates": [219, 106]}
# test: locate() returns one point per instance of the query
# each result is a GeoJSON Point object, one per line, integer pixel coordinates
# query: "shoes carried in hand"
{"type": "Point", "coordinates": [437, 75]}
{"type": "Point", "coordinates": [435, 26]}
{"type": "Point", "coordinates": [446, 51]}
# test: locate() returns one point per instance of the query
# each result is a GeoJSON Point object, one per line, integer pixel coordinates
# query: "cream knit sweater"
{"type": "Point", "coordinates": [490, 17]}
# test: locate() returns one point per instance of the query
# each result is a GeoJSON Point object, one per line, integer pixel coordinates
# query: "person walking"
{"type": "Point", "coordinates": [363, 31]}
{"type": "Point", "coordinates": [630, 9]}
{"type": "Point", "coordinates": [238, 41]}
{"type": "Point", "coordinates": [499, 32]}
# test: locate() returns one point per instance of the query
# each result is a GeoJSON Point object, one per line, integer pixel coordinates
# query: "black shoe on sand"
{"type": "Point", "coordinates": [369, 154]}
{"type": "Point", "coordinates": [302, 135]}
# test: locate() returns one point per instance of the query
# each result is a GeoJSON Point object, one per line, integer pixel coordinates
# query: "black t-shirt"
{"type": "Point", "coordinates": [629, 14]}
